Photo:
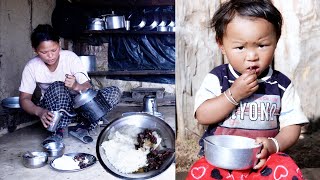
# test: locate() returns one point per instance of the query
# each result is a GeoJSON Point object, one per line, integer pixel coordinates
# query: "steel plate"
{"type": "Point", "coordinates": [143, 121]}
{"type": "Point", "coordinates": [92, 160]}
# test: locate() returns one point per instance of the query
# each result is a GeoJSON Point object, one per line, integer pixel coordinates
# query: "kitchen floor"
{"type": "Point", "coordinates": [13, 145]}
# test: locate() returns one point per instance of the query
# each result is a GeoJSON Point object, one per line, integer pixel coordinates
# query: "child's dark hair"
{"type": "Point", "coordinates": [248, 8]}
{"type": "Point", "coordinates": [43, 32]}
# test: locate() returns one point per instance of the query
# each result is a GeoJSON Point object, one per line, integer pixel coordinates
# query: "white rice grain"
{"type": "Point", "coordinates": [120, 150]}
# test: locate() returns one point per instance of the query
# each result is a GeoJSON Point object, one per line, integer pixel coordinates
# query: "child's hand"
{"type": "Point", "coordinates": [267, 149]}
{"type": "Point", "coordinates": [245, 85]}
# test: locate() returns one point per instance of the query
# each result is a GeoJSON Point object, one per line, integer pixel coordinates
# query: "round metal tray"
{"type": "Point", "coordinates": [143, 121]}
{"type": "Point", "coordinates": [92, 160]}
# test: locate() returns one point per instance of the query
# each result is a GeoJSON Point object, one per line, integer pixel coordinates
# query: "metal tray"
{"type": "Point", "coordinates": [11, 102]}
{"type": "Point", "coordinates": [140, 120]}
{"type": "Point", "coordinates": [91, 158]}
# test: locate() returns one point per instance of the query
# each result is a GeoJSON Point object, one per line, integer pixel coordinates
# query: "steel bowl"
{"type": "Point", "coordinates": [54, 149]}
{"type": "Point", "coordinates": [143, 121]}
{"type": "Point", "coordinates": [34, 159]}
{"type": "Point", "coordinates": [231, 152]}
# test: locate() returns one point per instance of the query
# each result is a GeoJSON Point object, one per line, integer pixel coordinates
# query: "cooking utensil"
{"type": "Point", "coordinates": [56, 118]}
{"type": "Point", "coordinates": [91, 104]}
{"type": "Point", "coordinates": [11, 102]}
{"type": "Point", "coordinates": [89, 161]}
{"type": "Point", "coordinates": [89, 62]}
{"type": "Point", "coordinates": [143, 121]}
{"type": "Point", "coordinates": [137, 20]}
{"type": "Point", "coordinates": [171, 28]}
{"type": "Point", "coordinates": [96, 24]}
{"type": "Point", "coordinates": [150, 103]}
{"type": "Point", "coordinates": [231, 152]}
{"type": "Point", "coordinates": [114, 21]}
{"type": "Point", "coordinates": [152, 20]}
{"type": "Point", "coordinates": [34, 159]}
{"type": "Point", "coordinates": [54, 149]}
{"type": "Point", "coordinates": [157, 114]}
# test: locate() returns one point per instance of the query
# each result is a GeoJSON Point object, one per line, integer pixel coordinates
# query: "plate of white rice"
{"type": "Point", "coordinates": [116, 146]}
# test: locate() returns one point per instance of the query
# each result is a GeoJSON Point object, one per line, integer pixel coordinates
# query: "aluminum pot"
{"type": "Point", "coordinates": [115, 22]}
{"type": "Point", "coordinates": [34, 159]}
{"type": "Point", "coordinates": [91, 104]}
{"type": "Point", "coordinates": [231, 152]}
{"type": "Point", "coordinates": [96, 24]}
{"type": "Point", "coordinates": [140, 120]}
{"type": "Point", "coordinates": [89, 62]}
{"type": "Point", "coordinates": [54, 149]}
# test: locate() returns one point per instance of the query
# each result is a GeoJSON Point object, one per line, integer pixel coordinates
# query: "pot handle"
{"type": "Point", "coordinates": [85, 76]}
{"type": "Point", "coordinates": [70, 115]}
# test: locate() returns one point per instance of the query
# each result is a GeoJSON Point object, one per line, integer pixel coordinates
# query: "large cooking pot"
{"type": "Point", "coordinates": [91, 104]}
{"type": "Point", "coordinates": [143, 121]}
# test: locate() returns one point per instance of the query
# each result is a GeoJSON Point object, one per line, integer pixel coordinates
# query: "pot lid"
{"type": "Point", "coordinates": [84, 97]}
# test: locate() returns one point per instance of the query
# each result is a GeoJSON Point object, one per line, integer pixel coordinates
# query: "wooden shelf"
{"type": "Point", "coordinates": [132, 73]}
{"type": "Point", "coordinates": [121, 31]}
{"type": "Point", "coordinates": [124, 3]}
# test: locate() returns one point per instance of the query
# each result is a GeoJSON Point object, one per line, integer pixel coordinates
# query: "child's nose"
{"type": "Point", "coordinates": [252, 55]}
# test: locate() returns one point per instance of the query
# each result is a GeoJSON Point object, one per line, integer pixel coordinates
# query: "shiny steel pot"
{"type": "Point", "coordinates": [115, 22]}
{"type": "Point", "coordinates": [231, 152]}
{"type": "Point", "coordinates": [91, 104]}
{"type": "Point", "coordinates": [89, 62]}
{"type": "Point", "coordinates": [96, 24]}
{"type": "Point", "coordinates": [34, 159]}
{"type": "Point", "coordinates": [54, 149]}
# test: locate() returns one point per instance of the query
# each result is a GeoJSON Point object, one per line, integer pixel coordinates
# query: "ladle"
{"type": "Point", "coordinates": [199, 136]}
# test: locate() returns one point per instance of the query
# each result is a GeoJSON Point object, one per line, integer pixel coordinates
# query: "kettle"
{"type": "Point", "coordinates": [91, 104]}
{"type": "Point", "coordinates": [150, 104]}
{"type": "Point", "coordinates": [96, 24]}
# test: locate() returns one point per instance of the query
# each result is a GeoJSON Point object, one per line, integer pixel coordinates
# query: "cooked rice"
{"type": "Point", "coordinates": [120, 149]}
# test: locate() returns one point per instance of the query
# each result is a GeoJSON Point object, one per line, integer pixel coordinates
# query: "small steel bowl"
{"type": "Point", "coordinates": [34, 159]}
{"type": "Point", "coordinates": [54, 149]}
{"type": "Point", "coordinates": [231, 152]}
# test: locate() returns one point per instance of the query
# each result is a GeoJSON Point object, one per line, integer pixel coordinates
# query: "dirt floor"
{"type": "Point", "coordinates": [305, 152]}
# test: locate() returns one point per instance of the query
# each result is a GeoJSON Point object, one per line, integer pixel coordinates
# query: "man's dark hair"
{"type": "Point", "coordinates": [247, 8]}
{"type": "Point", "coordinates": [43, 32]}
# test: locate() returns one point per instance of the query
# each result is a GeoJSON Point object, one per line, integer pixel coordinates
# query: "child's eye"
{"type": "Point", "coordinates": [240, 48]}
{"type": "Point", "coordinates": [262, 45]}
